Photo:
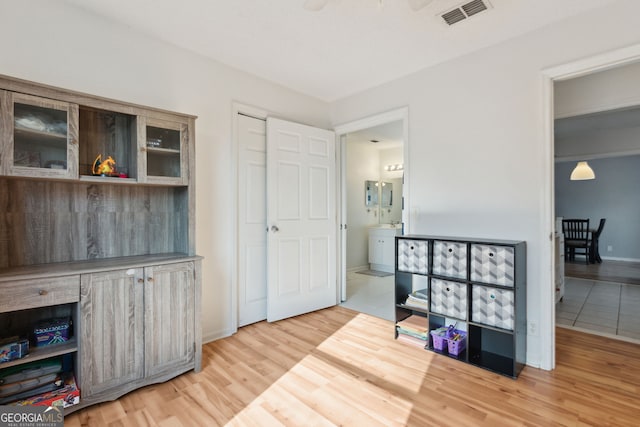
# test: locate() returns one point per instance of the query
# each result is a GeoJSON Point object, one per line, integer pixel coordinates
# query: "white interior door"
{"type": "Point", "coordinates": [252, 220]}
{"type": "Point", "coordinates": [301, 216]}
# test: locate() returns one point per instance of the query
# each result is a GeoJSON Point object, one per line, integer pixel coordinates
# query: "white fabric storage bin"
{"type": "Point", "coordinates": [413, 256]}
{"type": "Point", "coordinates": [492, 306]}
{"type": "Point", "coordinates": [492, 264]}
{"type": "Point", "coordinates": [449, 298]}
{"type": "Point", "coordinates": [450, 259]}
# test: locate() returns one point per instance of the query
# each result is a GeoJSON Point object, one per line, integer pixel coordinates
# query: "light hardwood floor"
{"type": "Point", "coordinates": [340, 367]}
{"type": "Point", "coordinates": [607, 271]}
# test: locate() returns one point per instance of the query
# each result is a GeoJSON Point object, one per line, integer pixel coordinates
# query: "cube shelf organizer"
{"type": "Point", "coordinates": [474, 287]}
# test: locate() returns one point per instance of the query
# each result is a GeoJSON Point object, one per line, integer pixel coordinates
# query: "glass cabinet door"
{"type": "Point", "coordinates": [43, 137]}
{"type": "Point", "coordinates": [164, 159]}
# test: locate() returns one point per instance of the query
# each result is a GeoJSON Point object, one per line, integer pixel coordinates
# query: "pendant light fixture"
{"type": "Point", "coordinates": [582, 171]}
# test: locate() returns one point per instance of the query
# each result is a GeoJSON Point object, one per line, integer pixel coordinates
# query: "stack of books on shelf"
{"type": "Point", "coordinates": [418, 299]}
{"type": "Point", "coordinates": [413, 330]}
{"type": "Point", "coordinates": [39, 383]}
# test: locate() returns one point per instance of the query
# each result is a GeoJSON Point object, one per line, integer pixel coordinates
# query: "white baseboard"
{"type": "Point", "coordinates": [215, 335]}
{"type": "Point", "coordinates": [619, 259]}
{"type": "Point", "coordinates": [360, 268]}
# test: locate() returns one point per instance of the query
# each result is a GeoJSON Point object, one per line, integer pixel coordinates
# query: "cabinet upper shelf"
{"type": "Point", "coordinates": [40, 353]}
{"type": "Point", "coordinates": [64, 135]}
{"type": "Point", "coordinates": [167, 151]}
{"type": "Point", "coordinates": [39, 135]}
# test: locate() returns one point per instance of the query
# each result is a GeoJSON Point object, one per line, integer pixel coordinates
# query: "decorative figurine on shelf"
{"type": "Point", "coordinates": [104, 168]}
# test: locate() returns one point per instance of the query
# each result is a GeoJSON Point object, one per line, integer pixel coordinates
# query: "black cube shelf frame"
{"type": "Point", "coordinates": [477, 284]}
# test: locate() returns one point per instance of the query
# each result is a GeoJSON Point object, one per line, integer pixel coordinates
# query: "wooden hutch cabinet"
{"type": "Point", "coordinates": [97, 203]}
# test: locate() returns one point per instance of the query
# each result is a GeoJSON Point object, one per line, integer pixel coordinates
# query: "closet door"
{"type": "Point", "coordinates": [301, 219]}
{"type": "Point", "coordinates": [252, 220]}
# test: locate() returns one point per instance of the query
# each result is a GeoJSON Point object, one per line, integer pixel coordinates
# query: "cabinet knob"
{"type": "Point", "coordinates": [141, 280]}
{"type": "Point", "coordinates": [43, 292]}
{"type": "Point", "coordinates": [149, 279]}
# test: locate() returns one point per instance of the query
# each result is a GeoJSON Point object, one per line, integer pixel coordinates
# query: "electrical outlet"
{"type": "Point", "coordinates": [609, 248]}
{"type": "Point", "coordinates": [533, 328]}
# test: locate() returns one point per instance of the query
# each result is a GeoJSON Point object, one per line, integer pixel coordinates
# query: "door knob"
{"type": "Point", "coordinates": [274, 228]}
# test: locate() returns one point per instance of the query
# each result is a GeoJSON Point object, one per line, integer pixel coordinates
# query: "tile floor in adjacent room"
{"type": "Point", "coordinates": [588, 305]}
{"type": "Point", "coordinates": [602, 307]}
{"type": "Point", "coordinates": [371, 295]}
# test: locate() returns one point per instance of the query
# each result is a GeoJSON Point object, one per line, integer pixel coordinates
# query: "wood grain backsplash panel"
{"type": "Point", "coordinates": [45, 222]}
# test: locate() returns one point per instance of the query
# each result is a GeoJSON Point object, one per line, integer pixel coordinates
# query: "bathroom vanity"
{"type": "Point", "coordinates": [382, 246]}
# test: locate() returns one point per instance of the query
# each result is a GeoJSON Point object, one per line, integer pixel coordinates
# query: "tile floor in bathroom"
{"type": "Point", "coordinates": [603, 307]}
{"type": "Point", "coordinates": [371, 295]}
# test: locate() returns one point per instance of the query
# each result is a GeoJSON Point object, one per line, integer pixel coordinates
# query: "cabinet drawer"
{"type": "Point", "coordinates": [492, 264]}
{"type": "Point", "coordinates": [450, 259]}
{"type": "Point", "coordinates": [449, 298]}
{"type": "Point", "coordinates": [413, 256]}
{"type": "Point", "coordinates": [493, 307]}
{"type": "Point", "coordinates": [23, 294]}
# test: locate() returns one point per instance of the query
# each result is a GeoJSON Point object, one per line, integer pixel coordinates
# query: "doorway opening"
{"type": "Point", "coordinates": [560, 73]}
{"type": "Point", "coordinates": [374, 191]}
{"type": "Point", "coordinates": [599, 291]}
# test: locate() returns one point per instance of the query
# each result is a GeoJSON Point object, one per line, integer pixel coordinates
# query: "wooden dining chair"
{"type": "Point", "coordinates": [595, 238]}
{"type": "Point", "coordinates": [576, 237]}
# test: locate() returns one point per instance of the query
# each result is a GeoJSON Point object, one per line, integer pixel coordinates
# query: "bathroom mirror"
{"type": "Point", "coordinates": [380, 203]}
{"type": "Point", "coordinates": [390, 209]}
{"type": "Point", "coordinates": [386, 194]}
{"type": "Point", "coordinates": [371, 193]}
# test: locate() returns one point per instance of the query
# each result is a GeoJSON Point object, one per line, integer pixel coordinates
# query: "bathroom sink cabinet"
{"type": "Point", "coordinates": [112, 252]}
{"type": "Point", "coordinates": [382, 248]}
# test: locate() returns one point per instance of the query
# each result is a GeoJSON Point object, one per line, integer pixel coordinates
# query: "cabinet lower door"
{"type": "Point", "coordinates": [169, 318]}
{"type": "Point", "coordinates": [388, 251]}
{"type": "Point", "coordinates": [111, 330]}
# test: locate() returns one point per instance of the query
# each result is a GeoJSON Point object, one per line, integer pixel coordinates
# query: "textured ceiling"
{"type": "Point", "coordinates": [349, 46]}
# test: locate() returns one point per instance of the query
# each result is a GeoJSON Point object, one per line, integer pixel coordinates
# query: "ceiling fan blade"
{"type": "Point", "coordinates": [416, 5]}
{"type": "Point", "coordinates": [315, 5]}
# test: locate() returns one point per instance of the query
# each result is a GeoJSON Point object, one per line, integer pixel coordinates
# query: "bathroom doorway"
{"type": "Point", "coordinates": [373, 189]}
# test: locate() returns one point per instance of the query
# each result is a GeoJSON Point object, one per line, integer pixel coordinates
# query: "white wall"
{"type": "Point", "coordinates": [363, 163]}
{"type": "Point", "coordinates": [606, 90]}
{"type": "Point", "coordinates": [477, 154]}
{"type": "Point", "coordinates": [56, 44]}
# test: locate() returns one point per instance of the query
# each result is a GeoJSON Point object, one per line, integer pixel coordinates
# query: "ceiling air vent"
{"type": "Point", "coordinates": [464, 11]}
{"type": "Point", "coordinates": [456, 15]}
